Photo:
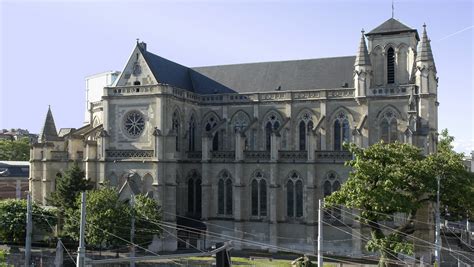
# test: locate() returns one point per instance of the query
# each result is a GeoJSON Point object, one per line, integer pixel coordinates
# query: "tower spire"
{"type": "Point", "coordinates": [362, 57]}
{"type": "Point", "coordinates": [424, 52]}
{"type": "Point", "coordinates": [48, 132]}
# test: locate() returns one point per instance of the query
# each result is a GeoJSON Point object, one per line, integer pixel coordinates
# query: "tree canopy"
{"type": "Point", "coordinates": [13, 220]}
{"type": "Point", "coordinates": [15, 149]}
{"type": "Point", "coordinates": [68, 187]}
{"type": "Point", "coordinates": [397, 178]}
{"type": "Point", "coordinates": [104, 212]}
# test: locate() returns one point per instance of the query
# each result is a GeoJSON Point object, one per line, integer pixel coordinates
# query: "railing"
{"type": "Point", "coordinates": [231, 97]}
{"type": "Point", "coordinates": [293, 155]}
{"type": "Point", "coordinates": [225, 155]}
{"type": "Point", "coordinates": [257, 155]}
{"type": "Point", "coordinates": [129, 154]}
{"type": "Point", "coordinates": [332, 156]}
{"type": "Point", "coordinates": [194, 154]}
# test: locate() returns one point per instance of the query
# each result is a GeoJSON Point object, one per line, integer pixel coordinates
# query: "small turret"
{"type": "Point", "coordinates": [424, 53]}
{"type": "Point", "coordinates": [48, 132]}
{"type": "Point", "coordinates": [426, 78]}
{"type": "Point", "coordinates": [362, 69]}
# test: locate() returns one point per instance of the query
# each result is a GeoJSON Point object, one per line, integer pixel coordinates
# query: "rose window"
{"type": "Point", "coordinates": [134, 123]}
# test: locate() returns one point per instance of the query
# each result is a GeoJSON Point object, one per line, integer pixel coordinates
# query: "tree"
{"type": "Point", "coordinates": [68, 188]}
{"type": "Point", "coordinates": [15, 149]}
{"type": "Point", "coordinates": [148, 215]}
{"type": "Point", "coordinates": [398, 178]}
{"type": "Point", "coordinates": [108, 219]}
{"type": "Point", "coordinates": [13, 220]}
{"type": "Point", "coordinates": [456, 183]}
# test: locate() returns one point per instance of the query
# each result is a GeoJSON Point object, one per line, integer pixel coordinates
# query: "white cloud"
{"type": "Point", "coordinates": [465, 146]}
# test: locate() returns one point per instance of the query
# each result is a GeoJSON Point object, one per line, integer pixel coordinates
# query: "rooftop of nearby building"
{"type": "Point", "coordinates": [14, 169]}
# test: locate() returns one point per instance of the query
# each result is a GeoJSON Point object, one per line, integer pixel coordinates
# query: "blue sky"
{"type": "Point", "coordinates": [48, 47]}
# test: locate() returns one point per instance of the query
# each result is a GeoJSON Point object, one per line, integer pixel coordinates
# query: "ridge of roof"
{"type": "Point", "coordinates": [270, 62]}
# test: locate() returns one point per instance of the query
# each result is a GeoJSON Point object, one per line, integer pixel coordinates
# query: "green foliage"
{"type": "Point", "coordinates": [457, 184]}
{"type": "Point", "coordinates": [13, 220]}
{"type": "Point", "coordinates": [15, 150]}
{"type": "Point", "coordinates": [68, 188]}
{"type": "Point", "coordinates": [108, 219]}
{"type": "Point", "coordinates": [3, 258]}
{"type": "Point", "coordinates": [398, 178]}
{"type": "Point", "coordinates": [147, 215]}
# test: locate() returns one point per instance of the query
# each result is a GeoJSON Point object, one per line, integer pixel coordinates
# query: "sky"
{"type": "Point", "coordinates": [47, 48]}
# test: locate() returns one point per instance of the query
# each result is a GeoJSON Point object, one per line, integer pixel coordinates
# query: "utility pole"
{"type": "Point", "coordinates": [438, 230]}
{"type": "Point", "coordinates": [29, 227]}
{"type": "Point", "coordinates": [81, 250]}
{"type": "Point", "coordinates": [132, 230]}
{"type": "Point", "coordinates": [320, 233]}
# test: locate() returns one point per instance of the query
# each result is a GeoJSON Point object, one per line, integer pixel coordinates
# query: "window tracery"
{"type": "Point", "coordinates": [273, 122]}
{"type": "Point", "coordinates": [224, 194]}
{"type": "Point", "coordinates": [294, 196]}
{"type": "Point", "coordinates": [259, 195]}
{"type": "Point", "coordinates": [341, 130]}
{"type": "Point", "coordinates": [331, 185]}
{"type": "Point", "coordinates": [194, 194]}
{"type": "Point", "coordinates": [388, 127]}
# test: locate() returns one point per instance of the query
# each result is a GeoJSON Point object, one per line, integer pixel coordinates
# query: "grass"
{"type": "Point", "coordinates": [239, 261]}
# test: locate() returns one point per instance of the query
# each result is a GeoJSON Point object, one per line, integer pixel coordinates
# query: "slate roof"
{"type": "Point", "coordinates": [391, 26]}
{"type": "Point", "coordinates": [321, 73]}
{"type": "Point", "coordinates": [305, 74]}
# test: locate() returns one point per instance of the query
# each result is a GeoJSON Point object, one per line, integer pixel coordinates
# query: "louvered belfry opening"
{"type": "Point", "coordinates": [390, 66]}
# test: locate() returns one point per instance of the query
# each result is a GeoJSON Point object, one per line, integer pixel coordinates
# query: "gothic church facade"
{"type": "Point", "coordinates": [248, 149]}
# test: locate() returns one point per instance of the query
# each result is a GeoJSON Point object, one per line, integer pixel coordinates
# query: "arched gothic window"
{"type": "Point", "coordinates": [176, 128]}
{"type": "Point", "coordinates": [259, 195]}
{"type": "Point", "coordinates": [224, 194]}
{"type": "Point", "coordinates": [341, 131]}
{"type": "Point", "coordinates": [194, 194]}
{"type": "Point", "coordinates": [240, 122]}
{"type": "Point", "coordinates": [210, 124]}
{"type": "Point", "coordinates": [192, 134]}
{"type": "Point", "coordinates": [272, 124]}
{"type": "Point", "coordinates": [388, 127]}
{"type": "Point", "coordinates": [294, 196]}
{"type": "Point", "coordinates": [306, 124]}
{"type": "Point", "coordinates": [390, 66]}
{"type": "Point", "coordinates": [331, 185]}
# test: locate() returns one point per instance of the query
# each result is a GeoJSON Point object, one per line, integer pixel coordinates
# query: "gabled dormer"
{"type": "Point", "coordinates": [146, 68]}
{"type": "Point", "coordinates": [392, 49]}
{"type": "Point", "coordinates": [137, 71]}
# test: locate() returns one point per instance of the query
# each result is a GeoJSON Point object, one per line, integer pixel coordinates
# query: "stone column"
{"type": "Point", "coordinates": [310, 207]}
{"type": "Point", "coordinates": [167, 174]}
{"type": "Point", "coordinates": [206, 147]}
{"type": "Point", "coordinates": [238, 203]}
{"type": "Point", "coordinates": [311, 146]}
{"type": "Point", "coordinates": [273, 204]}
{"type": "Point", "coordinates": [239, 146]}
{"type": "Point", "coordinates": [206, 191]}
{"type": "Point", "coordinates": [323, 139]}
{"type": "Point", "coordinates": [158, 144]}
{"type": "Point", "coordinates": [274, 146]}
{"type": "Point", "coordinates": [103, 144]}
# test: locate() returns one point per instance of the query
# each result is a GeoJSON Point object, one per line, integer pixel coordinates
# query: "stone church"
{"type": "Point", "coordinates": [247, 150]}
